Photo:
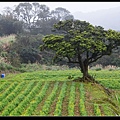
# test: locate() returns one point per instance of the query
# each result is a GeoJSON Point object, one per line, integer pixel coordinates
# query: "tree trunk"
{"type": "Point", "coordinates": [86, 76]}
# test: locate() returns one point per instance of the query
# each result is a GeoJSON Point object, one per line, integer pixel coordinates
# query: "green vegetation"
{"type": "Point", "coordinates": [71, 100]}
{"type": "Point", "coordinates": [109, 79]}
{"type": "Point", "coordinates": [38, 84]}
{"type": "Point", "coordinates": [52, 93]}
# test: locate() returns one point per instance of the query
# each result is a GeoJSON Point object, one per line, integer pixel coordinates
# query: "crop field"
{"type": "Point", "coordinates": [52, 93]}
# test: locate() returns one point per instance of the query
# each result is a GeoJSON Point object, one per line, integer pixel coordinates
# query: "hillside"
{"type": "Point", "coordinates": [5, 42]}
{"type": "Point", "coordinates": [107, 18]}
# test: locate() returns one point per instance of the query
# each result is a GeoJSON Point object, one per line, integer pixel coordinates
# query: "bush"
{"type": "Point", "coordinates": [5, 66]}
{"type": "Point", "coordinates": [98, 69]}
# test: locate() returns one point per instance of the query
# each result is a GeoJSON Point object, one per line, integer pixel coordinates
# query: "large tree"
{"type": "Point", "coordinates": [81, 43]}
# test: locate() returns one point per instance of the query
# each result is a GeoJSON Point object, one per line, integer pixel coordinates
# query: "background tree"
{"type": "Point", "coordinates": [7, 11]}
{"type": "Point", "coordinates": [81, 43]}
{"type": "Point", "coordinates": [24, 11]}
{"type": "Point", "coordinates": [32, 14]}
{"type": "Point", "coordinates": [9, 25]}
{"type": "Point", "coordinates": [61, 14]}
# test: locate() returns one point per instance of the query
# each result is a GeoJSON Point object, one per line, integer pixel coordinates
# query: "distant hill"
{"type": "Point", "coordinates": [107, 18]}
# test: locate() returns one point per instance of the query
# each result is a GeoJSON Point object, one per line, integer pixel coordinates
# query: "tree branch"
{"type": "Point", "coordinates": [70, 61]}
{"type": "Point", "coordinates": [95, 59]}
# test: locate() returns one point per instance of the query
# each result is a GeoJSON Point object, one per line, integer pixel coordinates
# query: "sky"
{"type": "Point", "coordinates": [70, 6]}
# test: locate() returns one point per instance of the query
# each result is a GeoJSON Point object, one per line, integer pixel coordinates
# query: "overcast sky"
{"type": "Point", "coordinates": [71, 6]}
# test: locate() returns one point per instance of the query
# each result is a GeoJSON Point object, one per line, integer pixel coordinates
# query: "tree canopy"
{"type": "Point", "coordinates": [81, 42]}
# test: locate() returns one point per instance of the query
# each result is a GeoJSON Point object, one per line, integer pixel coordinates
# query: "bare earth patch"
{"type": "Point", "coordinates": [88, 104]}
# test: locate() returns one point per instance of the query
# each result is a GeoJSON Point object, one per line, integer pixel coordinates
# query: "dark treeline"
{"type": "Point", "coordinates": [30, 22]}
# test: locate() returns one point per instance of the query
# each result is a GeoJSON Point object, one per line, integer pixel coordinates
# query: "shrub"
{"type": "Point", "coordinates": [98, 69]}
{"type": "Point", "coordinates": [5, 66]}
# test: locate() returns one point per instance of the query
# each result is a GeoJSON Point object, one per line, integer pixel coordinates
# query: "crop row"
{"type": "Point", "coordinates": [83, 111]}
{"type": "Point", "coordinates": [20, 108]}
{"type": "Point", "coordinates": [48, 102]}
{"type": "Point", "coordinates": [97, 111]}
{"type": "Point", "coordinates": [71, 100]}
{"type": "Point", "coordinates": [22, 99]}
{"type": "Point", "coordinates": [61, 96]}
{"type": "Point", "coordinates": [8, 90]}
{"type": "Point", "coordinates": [37, 100]}
{"type": "Point", "coordinates": [3, 86]}
{"type": "Point", "coordinates": [11, 95]}
{"type": "Point", "coordinates": [17, 100]}
{"type": "Point", "coordinates": [25, 102]}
